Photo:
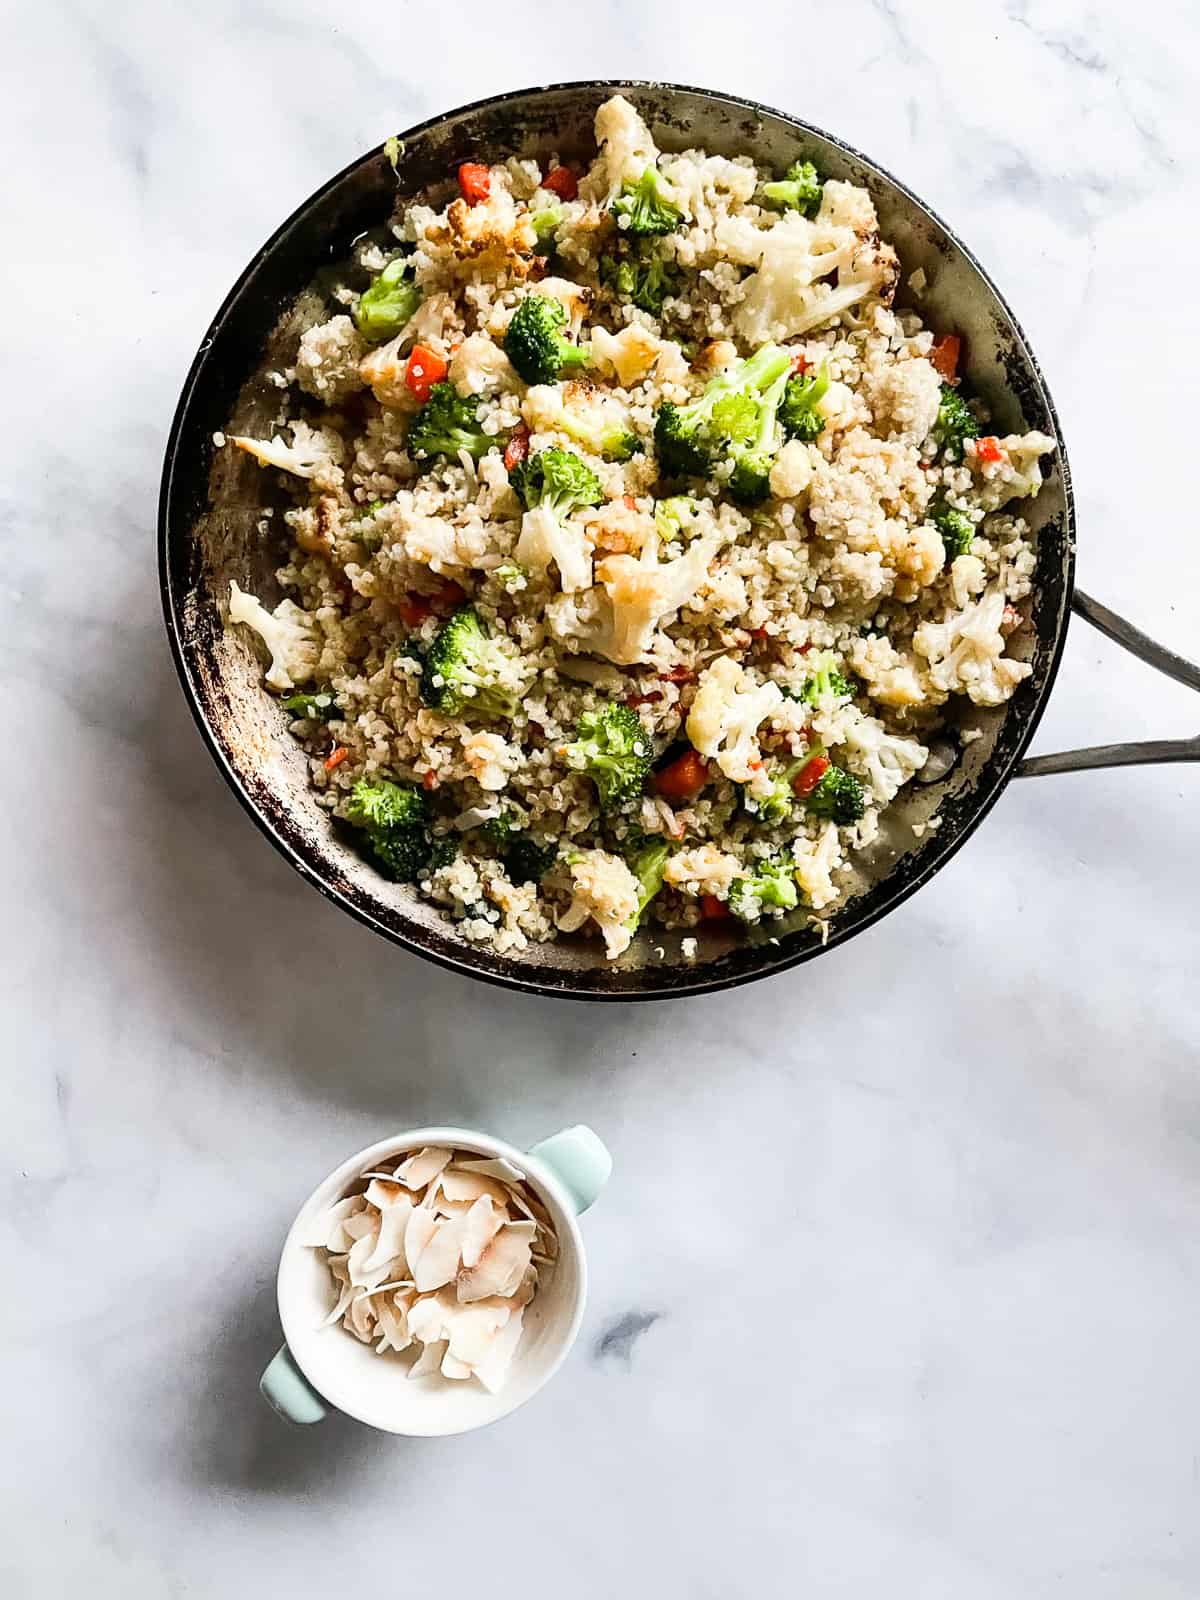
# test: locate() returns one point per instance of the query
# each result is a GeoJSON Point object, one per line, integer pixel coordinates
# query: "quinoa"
{"type": "Point", "coordinates": [702, 613]}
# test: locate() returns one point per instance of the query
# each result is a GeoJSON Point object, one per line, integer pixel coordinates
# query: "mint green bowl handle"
{"type": "Point", "coordinates": [285, 1388]}
{"type": "Point", "coordinates": [580, 1161]}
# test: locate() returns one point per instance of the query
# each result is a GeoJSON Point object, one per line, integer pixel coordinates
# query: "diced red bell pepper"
{"type": "Point", "coordinates": [429, 780]}
{"type": "Point", "coordinates": [714, 910]}
{"type": "Point", "coordinates": [517, 447]}
{"type": "Point", "coordinates": [683, 779]}
{"type": "Point", "coordinates": [562, 182]}
{"type": "Point", "coordinates": [336, 757]}
{"type": "Point", "coordinates": [988, 448]}
{"type": "Point", "coordinates": [678, 674]}
{"type": "Point", "coordinates": [475, 181]}
{"type": "Point", "coordinates": [944, 357]}
{"type": "Point", "coordinates": [799, 362]}
{"type": "Point", "coordinates": [425, 368]}
{"type": "Point", "coordinates": [413, 609]}
{"type": "Point", "coordinates": [809, 776]}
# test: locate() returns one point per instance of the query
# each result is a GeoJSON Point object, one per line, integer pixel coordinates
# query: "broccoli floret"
{"type": "Point", "coordinates": [798, 190]}
{"type": "Point", "coordinates": [534, 342]}
{"type": "Point", "coordinates": [613, 748]}
{"type": "Point", "coordinates": [953, 424]}
{"type": "Point", "coordinates": [641, 211]}
{"type": "Point", "coordinates": [825, 677]}
{"type": "Point", "coordinates": [644, 281]}
{"type": "Point", "coordinates": [557, 479]}
{"type": "Point", "coordinates": [839, 796]}
{"type": "Point", "coordinates": [464, 670]}
{"type": "Point", "coordinates": [772, 886]}
{"type": "Point", "coordinates": [691, 439]}
{"type": "Point", "coordinates": [394, 818]}
{"type": "Point", "coordinates": [798, 411]}
{"type": "Point", "coordinates": [318, 705]}
{"type": "Point", "coordinates": [750, 480]}
{"type": "Point", "coordinates": [527, 861]}
{"type": "Point", "coordinates": [388, 304]}
{"type": "Point", "coordinates": [674, 517]}
{"type": "Point", "coordinates": [383, 806]}
{"type": "Point", "coordinates": [401, 854]}
{"type": "Point", "coordinates": [442, 852]}
{"type": "Point", "coordinates": [647, 862]}
{"type": "Point", "coordinates": [446, 424]}
{"type": "Point", "coordinates": [956, 528]}
{"type": "Point", "coordinates": [545, 222]}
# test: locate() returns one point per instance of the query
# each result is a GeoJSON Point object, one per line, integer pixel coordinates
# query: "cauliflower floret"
{"type": "Point", "coordinates": [640, 594]}
{"type": "Point", "coordinates": [791, 293]}
{"type": "Point", "coordinates": [545, 539]}
{"type": "Point", "coordinates": [605, 890]}
{"type": "Point", "coordinates": [291, 635]}
{"type": "Point", "coordinates": [847, 205]}
{"type": "Point", "coordinates": [328, 359]}
{"type": "Point", "coordinates": [313, 452]}
{"type": "Point", "coordinates": [438, 543]}
{"type": "Point", "coordinates": [490, 759]}
{"type": "Point", "coordinates": [632, 354]}
{"type": "Point", "coordinates": [904, 397]}
{"type": "Point", "coordinates": [626, 150]}
{"type": "Point", "coordinates": [1016, 475]}
{"type": "Point", "coordinates": [480, 365]}
{"type": "Point", "coordinates": [725, 716]}
{"type": "Point", "coordinates": [968, 576]}
{"type": "Point", "coordinates": [966, 652]}
{"type": "Point", "coordinates": [887, 761]}
{"type": "Point", "coordinates": [890, 677]}
{"type": "Point", "coordinates": [815, 862]}
{"type": "Point", "coordinates": [487, 239]}
{"type": "Point", "coordinates": [792, 470]}
{"type": "Point", "coordinates": [702, 870]}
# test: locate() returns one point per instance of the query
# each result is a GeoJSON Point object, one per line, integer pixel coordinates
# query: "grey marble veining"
{"type": "Point", "coordinates": [897, 1284]}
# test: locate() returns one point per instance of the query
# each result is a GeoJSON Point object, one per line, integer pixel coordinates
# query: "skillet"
{"type": "Point", "coordinates": [210, 508]}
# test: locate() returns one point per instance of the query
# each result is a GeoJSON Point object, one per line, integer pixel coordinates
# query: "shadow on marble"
{"type": "Point", "coordinates": [234, 1443]}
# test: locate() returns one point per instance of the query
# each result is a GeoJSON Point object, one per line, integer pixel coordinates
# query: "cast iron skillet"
{"type": "Point", "coordinates": [210, 509]}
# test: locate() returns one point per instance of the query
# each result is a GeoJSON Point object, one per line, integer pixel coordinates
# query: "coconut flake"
{"type": "Point", "coordinates": [421, 1169]}
{"type": "Point", "coordinates": [504, 1261]}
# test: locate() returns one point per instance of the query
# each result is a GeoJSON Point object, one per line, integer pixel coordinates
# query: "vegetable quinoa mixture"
{"type": "Point", "coordinates": [638, 544]}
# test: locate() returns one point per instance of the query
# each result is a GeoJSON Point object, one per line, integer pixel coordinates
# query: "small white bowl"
{"type": "Point", "coordinates": [319, 1367]}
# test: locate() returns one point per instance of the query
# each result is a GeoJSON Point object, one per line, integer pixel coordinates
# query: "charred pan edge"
{"type": "Point", "coordinates": [181, 504]}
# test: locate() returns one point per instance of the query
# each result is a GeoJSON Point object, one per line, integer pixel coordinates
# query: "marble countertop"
{"type": "Point", "coordinates": [897, 1283]}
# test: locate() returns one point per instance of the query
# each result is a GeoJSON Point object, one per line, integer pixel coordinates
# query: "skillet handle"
{"type": "Point", "coordinates": [1122, 755]}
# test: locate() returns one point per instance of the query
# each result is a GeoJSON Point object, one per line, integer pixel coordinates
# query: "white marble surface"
{"type": "Point", "coordinates": [932, 1330]}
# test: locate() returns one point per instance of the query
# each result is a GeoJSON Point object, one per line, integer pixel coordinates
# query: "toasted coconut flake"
{"type": "Point", "coordinates": [505, 1258]}
{"type": "Point", "coordinates": [389, 1243]}
{"type": "Point", "coordinates": [493, 1369]}
{"type": "Point", "coordinates": [325, 1229]}
{"type": "Point", "coordinates": [441, 1258]}
{"type": "Point", "coordinates": [420, 1229]}
{"type": "Point", "coordinates": [456, 1185]}
{"type": "Point", "coordinates": [483, 1221]}
{"type": "Point", "coordinates": [421, 1169]}
{"type": "Point", "coordinates": [429, 1361]}
{"type": "Point", "coordinates": [495, 1167]}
